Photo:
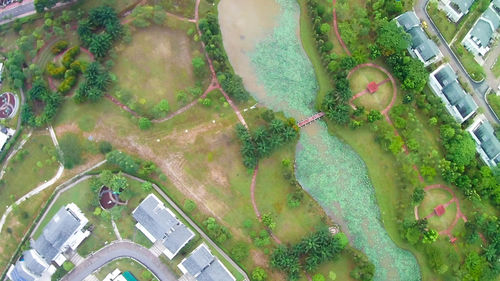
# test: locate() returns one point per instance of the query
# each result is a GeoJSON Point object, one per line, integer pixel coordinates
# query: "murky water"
{"type": "Point", "coordinates": [263, 46]}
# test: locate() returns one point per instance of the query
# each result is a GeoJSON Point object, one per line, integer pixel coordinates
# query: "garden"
{"type": "Point", "coordinates": [124, 264]}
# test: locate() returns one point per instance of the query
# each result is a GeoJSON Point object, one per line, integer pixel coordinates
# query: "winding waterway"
{"type": "Point", "coordinates": [262, 41]}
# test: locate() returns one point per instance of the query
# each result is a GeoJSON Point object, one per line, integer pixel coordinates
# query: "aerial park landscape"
{"type": "Point", "coordinates": [281, 139]}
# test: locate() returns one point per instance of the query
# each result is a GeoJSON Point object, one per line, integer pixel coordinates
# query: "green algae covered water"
{"type": "Point", "coordinates": [261, 38]}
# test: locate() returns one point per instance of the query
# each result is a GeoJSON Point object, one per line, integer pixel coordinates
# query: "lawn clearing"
{"type": "Point", "coordinates": [494, 102]}
{"type": "Point", "coordinates": [36, 161]}
{"type": "Point", "coordinates": [432, 199]}
{"type": "Point", "coordinates": [475, 70]}
{"type": "Point", "coordinates": [123, 265]}
{"type": "Point", "coordinates": [378, 100]}
{"type": "Point", "coordinates": [155, 66]}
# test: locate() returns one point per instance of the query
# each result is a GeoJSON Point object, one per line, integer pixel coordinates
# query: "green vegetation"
{"type": "Point", "coordinates": [124, 264]}
{"type": "Point", "coordinates": [494, 102]}
{"type": "Point", "coordinates": [496, 69]}
{"type": "Point", "coordinates": [71, 150]}
{"type": "Point", "coordinates": [475, 70]}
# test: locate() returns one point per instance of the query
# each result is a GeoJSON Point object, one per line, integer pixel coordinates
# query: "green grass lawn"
{"type": "Point", "coordinates": [155, 66]}
{"type": "Point", "coordinates": [123, 265]}
{"type": "Point", "coordinates": [83, 197]}
{"type": "Point", "coordinates": [447, 28]}
{"type": "Point", "coordinates": [494, 102]}
{"type": "Point", "coordinates": [359, 81]}
{"type": "Point", "coordinates": [37, 163]}
{"type": "Point", "coordinates": [496, 69]}
{"type": "Point", "coordinates": [475, 70]}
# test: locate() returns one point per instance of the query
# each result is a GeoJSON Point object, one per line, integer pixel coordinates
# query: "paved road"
{"type": "Point", "coordinates": [479, 89]}
{"type": "Point", "coordinates": [24, 9]}
{"type": "Point", "coordinates": [121, 249]}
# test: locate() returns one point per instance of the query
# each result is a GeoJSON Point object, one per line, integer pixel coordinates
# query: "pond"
{"type": "Point", "coordinates": [263, 44]}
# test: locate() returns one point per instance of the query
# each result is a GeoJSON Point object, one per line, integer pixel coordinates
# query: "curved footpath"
{"type": "Point", "coordinates": [121, 249]}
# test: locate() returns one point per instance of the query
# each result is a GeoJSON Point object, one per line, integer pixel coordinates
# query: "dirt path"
{"type": "Point", "coordinates": [337, 33]}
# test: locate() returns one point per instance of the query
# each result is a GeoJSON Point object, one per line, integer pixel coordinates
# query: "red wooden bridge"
{"type": "Point", "coordinates": [311, 119]}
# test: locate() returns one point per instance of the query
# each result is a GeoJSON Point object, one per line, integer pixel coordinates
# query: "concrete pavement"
{"type": "Point", "coordinates": [479, 89]}
{"type": "Point", "coordinates": [121, 249]}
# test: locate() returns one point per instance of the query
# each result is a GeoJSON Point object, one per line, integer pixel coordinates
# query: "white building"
{"type": "Point", "coordinates": [455, 9]}
{"type": "Point", "coordinates": [64, 232]}
{"type": "Point", "coordinates": [421, 46]}
{"type": "Point", "coordinates": [443, 82]}
{"type": "Point", "coordinates": [479, 39]}
{"type": "Point", "coordinates": [201, 265]}
{"type": "Point", "coordinates": [161, 227]}
{"type": "Point", "coordinates": [487, 144]}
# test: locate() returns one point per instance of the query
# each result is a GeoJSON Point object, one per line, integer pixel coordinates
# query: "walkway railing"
{"type": "Point", "coordinates": [311, 119]}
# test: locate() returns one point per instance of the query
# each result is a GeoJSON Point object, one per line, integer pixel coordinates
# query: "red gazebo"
{"type": "Point", "coordinates": [439, 210]}
{"type": "Point", "coordinates": [372, 87]}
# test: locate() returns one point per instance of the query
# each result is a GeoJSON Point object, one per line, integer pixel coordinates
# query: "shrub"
{"type": "Point", "coordinates": [71, 150]}
{"type": "Point", "coordinates": [55, 71]}
{"type": "Point", "coordinates": [144, 123]}
{"type": "Point", "coordinates": [59, 47]}
{"type": "Point", "coordinates": [105, 147]}
{"type": "Point", "coordinates": [70, 56]}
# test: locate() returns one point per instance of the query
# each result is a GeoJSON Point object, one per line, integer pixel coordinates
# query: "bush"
{"type": "Point", "coordinates": [70, 56]}
{"type": "Point", "coordinates": [105, 147]}
{"type": "Point", "coordinates": [189, 206]}
{"type": "Point", "coordinates": [144, 123]}
{"type": "Point", "coordinates": [55, 71]}
{"type": "Point", "coordinates": [59, 47]}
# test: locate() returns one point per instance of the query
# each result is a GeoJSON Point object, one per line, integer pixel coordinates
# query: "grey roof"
{"type": "Point", "coordinates": [496, 3]}
{"type": "Point", "coordinates": [19, 273]}
{"type": "Point", "coordinates": [454, 93]}
{"type": "Point", "coordinates": [466, 106]}
{"type": "Point", "coordinates": [408, 20]}
{"type": "Point", "coordinates": [463, 5]}
{"type": "Point", "coordinates": [160, 223]}
{"type": "Point", "coordinates": [428, 49]}
{"type": "Point", "coordinates": [32, 263]}
{"type": "Point", "coordinates": [485, 27]}
{"type": "Point", "coordinates": [484, 132]}
{"type": "Point", "coordinates": [198, 260]}
{"type": "Point", "coordinates": [491, 147]}
{"type": "Point", "coordinates": [215, 272]}
{"type": "Point", "coordinates": [446, 76]}
{"type": "Point", "coordinates": [55, 234]}
{"type": "Point", "coordinates": [178, 238]}
{"type": "Point", "coordinates": [418, 36]}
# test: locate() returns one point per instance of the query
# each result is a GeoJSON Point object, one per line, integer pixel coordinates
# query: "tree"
{"type": "Point", "coordinates": [461, 150]}
{"type": "Point", "coordinates": [332, 275]}
{"type": "Point", "coordinates": [318, 277]}
{"type": "Point", "coordinates": [147, 186]}
{"type": "Point", "coordinates": [105, 147]}
{"type": "Point", "coordinates": [189, 205]}
{"type": "Point", "coordinates": [391, 38]}
{"type": "Point", "coordinates": [68, 266]}
{"type": "Point", "coordinates": [430, 236]}
{"type": "Point", "coordinates": [324, 28]}
{"type": "Point", "coordinates": [144, 123]}
{"type": "Point", "coordinates": [268, 220]}
{"type": "Point", "coordinates": [259, 274]}
{"type": "Point", "coordinates": [374, 115]}
{"type": "Point", "coordinates": [161, 109]}
{"type": "Point", "coordinates": [198, 66]}
{"type": "Point", "coordinates": [418, 195]}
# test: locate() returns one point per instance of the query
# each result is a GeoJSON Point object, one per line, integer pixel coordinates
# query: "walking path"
{"type": "Point", "coordinates": [38, 189]}
{"type": "Point", "coordinates": [337, 33]}
{"type": "Point", "coordinates": [115, 229]}
{"type": "Point", "coordinates": [366, 91]}
{"type": "Point", "coordinates": [116, 250]}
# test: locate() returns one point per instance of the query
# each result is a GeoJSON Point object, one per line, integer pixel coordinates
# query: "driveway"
{"type": "Point", "coordinates": [478, 89]}
{"type": "Point", "coordinates": [8, 14]}
{"type": "Point", "coordinates": [122, 249]}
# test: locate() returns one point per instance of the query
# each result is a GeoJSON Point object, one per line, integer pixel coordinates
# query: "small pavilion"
{"type": "Point", "coordinates": [372, 87]}
{"type": "Point", "coordinates": [439, 210]}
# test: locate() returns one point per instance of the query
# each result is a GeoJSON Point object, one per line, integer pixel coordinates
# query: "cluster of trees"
{"type": "Point", "coordinates": [145, 15]}
{"type": "Point", "coordinates": [336, 102]}
{"type": "Point", "coordinates": [14, 67]}
{"type": "Point", "coordinates": [218, 232]}
{"type": "Point", "coordinates": [100, 30]}
{"type": "Point", "coordinates": [38, 95]}
{"type": "Point", "coordinates": [41, 5]}
{"type": "Point", "coordinates": [264, 140]}
{"type": "Point", "coordinates": [364, 270]}
{"type": "Point", "coordinates": [211, 37]}
{"type": "Point", "coordinates": [309, 253]}
{"type": "Point", "coordinates": [69, 69]}
{"type": "Point", "coordinates": [125, 162]}
{"type": "Point", "coordinates": [97, 80]}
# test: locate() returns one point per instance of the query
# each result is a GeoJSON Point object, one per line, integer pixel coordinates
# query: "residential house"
{"type": "Point", "coordinates": [455, 9]}
{"type": "Point", "coordinates": [421, 46]}
{"type": "Point", "coordinates": [203, 266]}
{"type": "Point", "coordinates": [161, 226]}
{"type": "Point", "coordinates": [479, 38]}
{"type": "Point", "coordinates": [487, 144]}
{"type": "Point", "coordinates": [63, 234]}
{"type": "Point", "coordinates": [443, 82]}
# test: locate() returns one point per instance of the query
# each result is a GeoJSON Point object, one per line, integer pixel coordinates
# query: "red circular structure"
{"type": "Point", "coordinates": [8, 105]}
{"type": "Point", "coordinates": [107, 198]}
